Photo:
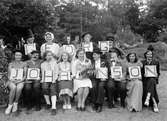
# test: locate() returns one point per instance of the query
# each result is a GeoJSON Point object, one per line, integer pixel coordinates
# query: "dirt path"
{"type": "Point", "coordinates": [117, 114]}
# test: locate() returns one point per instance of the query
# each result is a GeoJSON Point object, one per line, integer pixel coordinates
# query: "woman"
{"type": "Point", "coordinates": [87, 45]}
{"type": "Point", "coordinates": [150, 80]}
{"type": "Point", "coordinates": [49, 69]}
{"type": "Point", "coordinates": [50, 45]}
{"type": "Point", "coordinates": [65, 82]}
{"type": "Point", "coordinates": [134, 85]}
{"type": "Point", "coordinates": [68, 47]}
{"type": "Point", "coordinates": [81, 81]}
{"type": "Point", "coordinates": [16, 74]}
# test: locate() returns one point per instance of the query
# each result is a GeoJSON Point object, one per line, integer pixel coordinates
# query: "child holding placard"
{"type": "Point", "coordinates": [16, 74]}
{"type": "Point", "coordinates": [134, 85]}
{"type": "Point", "coordinates": [65, 82]}
{"type": "Point", "coordinates": [32, 84]}
{"type": "Point", "coordinates": [151, 73]}
{"type": "Point", "coordinates": [50, 45]}
{"type": "Point", "coordinates": [49, 70]}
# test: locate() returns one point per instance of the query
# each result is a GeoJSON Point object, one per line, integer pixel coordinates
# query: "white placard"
{"type": "Point", "coordinates": [16, 74]}
{"type": "Point", "coordinates": [104, 46]}
{"type": "Point", "coordinates": [102, 73]}
{"type": "Point", "coordinates": [69, 49]}
{"type": "Point", "coordinates": [48, 76]}
{"type": "Point", "coordinates": [65, 76]}
{"type": "Point", "coordinates": [116, 72]}
{"type": "Point", "coordinates": [33, 74]}
{"type": "Point", "coordinates": [134, 72]}
{"type": "Point", "coordinates": [150, 71]}
{"type": "Point", "coordinates": [88, 47]}
{"type": "Point", "coordinates": [48, 48]}
{"type": "Point", "coordinates": [29, 48]}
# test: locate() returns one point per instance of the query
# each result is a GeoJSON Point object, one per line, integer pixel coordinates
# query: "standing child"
{"type": "Point", "coordinates": [65, 83]}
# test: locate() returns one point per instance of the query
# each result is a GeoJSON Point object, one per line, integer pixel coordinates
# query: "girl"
{"type": "Point", "coordinates": [16, 74]}
{"type": "Point", "coordinates": [49, 70]}
{"type": "Point", "coordinates": [81, 81]}
{"type": "Point", "coordinates": [134, 85]}
{"type": "Point", "coordinates": [65, 83]}
{"type": "Point", "coordinates": [150, 81]}
{"type": "Point", "coordinates": [50, 45]}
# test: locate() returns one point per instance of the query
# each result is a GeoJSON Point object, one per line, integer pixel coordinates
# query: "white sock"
{"type": "Point", "coordinates": [10, 106]}
{"type": "Point", "coordinates": [53, 99]}
{"type": "Point", "coordinates": [47, 99]}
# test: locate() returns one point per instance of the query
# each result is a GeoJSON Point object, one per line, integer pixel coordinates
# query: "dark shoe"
{"type": "Point", "coordinates": [99, 109]}
{"type": "Point", "coordinates": [83, 109]}
{"type": "Point", "coordinates": [37, 108]}
{"type": "Point", "coordinates": [110, 106]}
{"type": "Point", "coordinates": [94, 107]}
{"type": "Point", "coordinates": [53, 112]}
{"type": "Point", "coordinates": [47, 106]}
{"type": "Point", "coordinates": [123, 104]}
{"type": "Point", "coordinates": [78, 108]}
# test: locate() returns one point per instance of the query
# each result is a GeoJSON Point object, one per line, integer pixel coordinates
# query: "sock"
{"type": "Point", "coordinates": [53, 99]}
{"type": "Point", "coordinates": [47, 99]}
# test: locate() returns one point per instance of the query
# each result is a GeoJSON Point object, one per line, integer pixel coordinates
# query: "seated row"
{"type": "Point", "coordinates": [132, 80]}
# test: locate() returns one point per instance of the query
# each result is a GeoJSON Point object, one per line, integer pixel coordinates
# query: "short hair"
{"type": "Point", "coordinates": [35, 51]}
{"type": "Point", "coordinates": [19, 51]}
{"type": "Point", "coordinates": [128, 57]}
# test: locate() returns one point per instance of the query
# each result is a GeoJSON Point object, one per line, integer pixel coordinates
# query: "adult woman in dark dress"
{"type": "Point", "coordinates": [150, 82]}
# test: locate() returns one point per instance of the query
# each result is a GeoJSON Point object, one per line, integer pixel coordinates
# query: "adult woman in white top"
{"type": "Point", "coordinates": [50, 45]}
{"type": "Point", "coordinates": [82, 83]}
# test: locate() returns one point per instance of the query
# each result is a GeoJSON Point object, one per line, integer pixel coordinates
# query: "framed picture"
{"type": "Point", "coordinates": [65, 76]}
{"type": "Point", "coordinates": [116, 72]}
{"type": "Point", "coordinates": [102, 73]}
{"type": "Point", "coordinates": [150, 71]}
{"type": "Point", "coordinates": [134, 72]}
{"type": "Point", "coordinates": [104, 46]}
{"type": "Point", "coordinates": [33, 74]}
{"type": "Point", "coordinates": [88, 47]}
{"type": "Point", "coordinates": [16, 74]}
{"type": "Point", "coordinates": [48, 76]}
{"type": "Point", "coordinates": [69, 49]}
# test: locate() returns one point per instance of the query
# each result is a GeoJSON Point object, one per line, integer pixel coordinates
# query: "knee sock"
{"type": "Point", "coordinates": [53, 99]}
{"type": "Point", "coordinates": [47, 99]}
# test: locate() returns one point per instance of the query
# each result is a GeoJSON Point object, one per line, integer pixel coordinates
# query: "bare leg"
{"type": "Point", "coordinates": [79, 96]}
{"type": "Point", "coordinates": [12, 93]}
{"type": "Point", "coordinates": [19, 91]}
{"type": "Point", "coordinates": [84, 96]}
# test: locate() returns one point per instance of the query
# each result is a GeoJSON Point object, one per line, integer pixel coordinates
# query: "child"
{"type": "Point", "coordinates": [65, 83]}
{"type": "Point", "coordinates": [16, 74]}
{"type": "Point", "coordinates": [49, 70]}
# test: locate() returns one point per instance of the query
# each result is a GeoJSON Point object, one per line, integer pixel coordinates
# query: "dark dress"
{"type": "Point", "coordinates": [150, 83]}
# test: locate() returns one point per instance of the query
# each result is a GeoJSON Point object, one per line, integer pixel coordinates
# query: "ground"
{"type": "Point", "coordinates": [117, 114]}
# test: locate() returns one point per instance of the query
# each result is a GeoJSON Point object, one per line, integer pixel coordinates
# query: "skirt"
{"type": "Point", "coordinates": [134, 95]}
{"type": "Point", "coordinates": [65, 88]}
{"type": "Point", "coordinates": [78, 83]}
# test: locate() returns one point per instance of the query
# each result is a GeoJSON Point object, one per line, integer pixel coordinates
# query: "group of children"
{"type": "Point", "coordinates": [81, 69]}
